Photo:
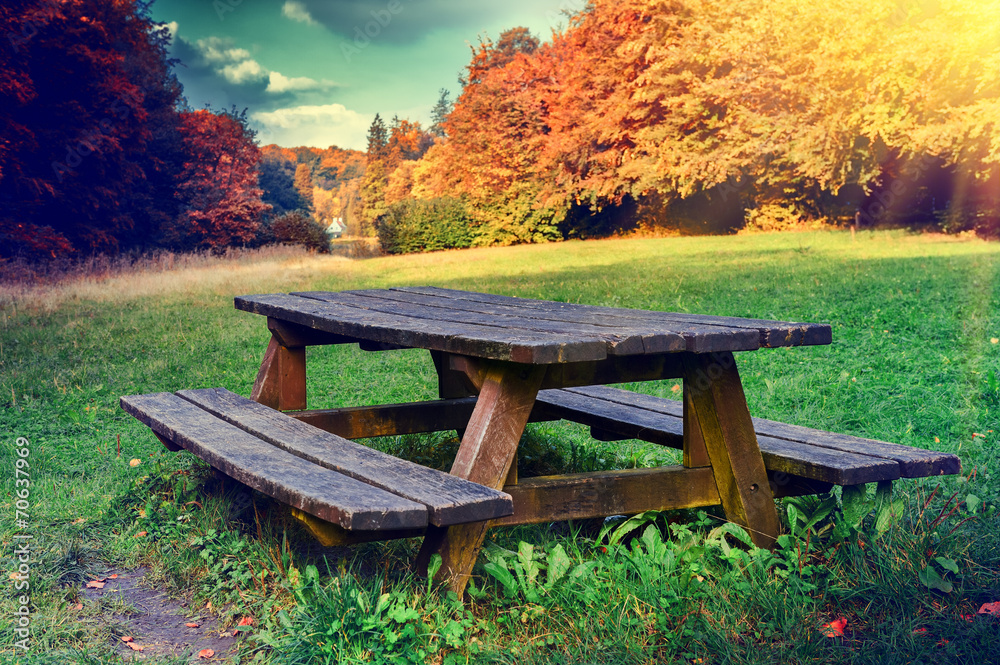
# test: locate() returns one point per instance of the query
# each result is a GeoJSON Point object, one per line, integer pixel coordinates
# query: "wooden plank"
{"type": "Point", "coordinates": [622, 335]}
{"type": "Point", "coordinates": [461, 338]}
{"type": "Point", "coordinates": [603, 493]}
{"type": "Point", "coordinates": [265, 387]}
{"type": "Point", "coordinates": [291, 378]}
{"type": "Point", "coordinates": [727, 430]}
{"type": "Point", "coordinates": [692, 443]}
{"type": "Point", "coordinates": [333, 535]}
{"type": "Point", "coordinates": [449, 500]}
{"type": "Point", "coordinates": [913, 462]}
{"type": "Point", "coordinates": [322, 492]}
{"type": "Point", "coordinates": [769, 333]}
{"type": "Point", "coordinates": [485, 456]}
{"type": "Point", "coordinates": [294, 335]}
{"type": "Point", "coordinates": [699, 337]}
{"type": "Point", "coordinates": [665, 426]}
{"type": "Point", "coordinates": [362, 422]}
{"type": "Point", "coordinates": [281, 380]}
{"type": "Point", "coordinates": [615, 369]}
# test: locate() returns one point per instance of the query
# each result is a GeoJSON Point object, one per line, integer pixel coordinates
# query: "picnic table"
{"type": "Point", "coordinates": [502, 362]}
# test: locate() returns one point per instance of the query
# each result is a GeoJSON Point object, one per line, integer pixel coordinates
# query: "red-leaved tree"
{"type": "Point", "coordinates": [218, 186]}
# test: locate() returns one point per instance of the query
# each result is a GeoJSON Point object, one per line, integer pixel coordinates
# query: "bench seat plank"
{"type": "Point", "coordinates": [275, 472]}
{"type": "Point", "coordinates": [449, 499]}
{"type": "Point", "coordinates": [666, 427]}
{"type": "Point", "coordinates": [913, 462]}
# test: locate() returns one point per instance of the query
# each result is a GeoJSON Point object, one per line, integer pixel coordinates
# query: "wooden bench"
{"type": "Point", "coordinates": [792, 454]}
{"type": "Point", "coordinates": [320, 475]}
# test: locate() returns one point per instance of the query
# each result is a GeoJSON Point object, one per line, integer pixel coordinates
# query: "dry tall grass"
{"type": "Point", "coordinates": [119, 279]}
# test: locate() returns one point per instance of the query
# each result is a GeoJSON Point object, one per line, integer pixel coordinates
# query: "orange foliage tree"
{"type": "Point", "coordinates": [218, 186]}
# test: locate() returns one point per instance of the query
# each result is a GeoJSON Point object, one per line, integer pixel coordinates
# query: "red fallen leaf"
{"type": "Point", "coordinates": [206, 653]}
{"type": "Point", "coordinates": [193, 625]}
{"type": "Point", "coordinates": [140, 534]}
{"type": "Point", "coordinates": [95, 585]}
{"type": "Point", "coordinates": [942, 642]}
{"type": "Point", "coordinates": [919, 631]}
{"type": "Point", "coordinates": [246, 621]}
{"type": "Point", "coordinates": [835, 628]}
{"type": "Point", "coordinates": [134, 647]}
{"type": "Point", "coordinates": [990, 608]}
{"type": "Point", "coordinates": [113, 577]}
{"type": "Point", "coordinates": [969, 617]}
{"type": "Point", "coordinates": [78, 606]}
{"type": "Point", "coordinates": [126, 639]}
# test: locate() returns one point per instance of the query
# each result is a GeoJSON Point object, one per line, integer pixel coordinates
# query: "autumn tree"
{"type": "Point", "coordinates": [90, 142]}
{"type": "Point", "coordinates": [304, 185]}
{"type": "Point", "coordinates": [218, 187]}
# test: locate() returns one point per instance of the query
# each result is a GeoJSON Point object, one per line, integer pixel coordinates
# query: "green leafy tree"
{"type": "Point", "coordinates": [376, 176]}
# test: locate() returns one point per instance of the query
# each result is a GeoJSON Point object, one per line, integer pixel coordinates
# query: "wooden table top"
{"type": "Point", "coordinates": [521, 329]}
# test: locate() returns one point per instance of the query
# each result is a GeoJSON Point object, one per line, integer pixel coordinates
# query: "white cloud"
{"type": "Point", "coordinates": [297, 11]}
{"type": "Point", "coordinates": [248, 71]}
{"type": "Point", "coordinates": [172, 29]}
{"type": "Point", "coordinates": [220, 50]}
{"type": "Point", "coordinates": [320, 126]}
{"type": "Point", "coordinates": [278, 83]}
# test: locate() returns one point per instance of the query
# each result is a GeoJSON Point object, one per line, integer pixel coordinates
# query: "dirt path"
{"type": "Point", "coordinates": [156, 622]}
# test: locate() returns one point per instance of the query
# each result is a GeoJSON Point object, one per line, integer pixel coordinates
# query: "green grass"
{"type": "Point", "coordinates": [912, 362]}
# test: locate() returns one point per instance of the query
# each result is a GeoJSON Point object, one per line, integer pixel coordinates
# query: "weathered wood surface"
{"type": "Point", "coordinates": [281, 380]}
{"type": "Point", "coordinates": [520, 330]}
{"type": "Point", "coordinates": [487, 451]}
{"type": "Point", "coordinates": [770, 334]}
{"type": "Point", "coordinates": [621, 337]}
{"type": "Point", "coordinates": [826, 456]}
{"type": "Point", "coordinates": [720, 410]}
{"type": "Point", "coordinates": [462, 338]}
{"type": "Point", "coordinates": [327, 494]}
{"type": "Point", "coordinates": [449, 500]}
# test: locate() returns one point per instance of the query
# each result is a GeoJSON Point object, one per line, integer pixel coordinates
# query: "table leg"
{"type": "Point", "coordinates": [716, 405]}
{"type": "Point", "coordinates": [281, 380]}
{"type": "Point", "coordinates": [485, 456]}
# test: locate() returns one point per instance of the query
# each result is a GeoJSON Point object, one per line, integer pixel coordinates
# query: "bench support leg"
{"type": "Point", "coordinates": [714, 398]}
{"type": "Point", "coordinates": [488, 449]}
{"type": "Point", "coordinates": [281, 381]}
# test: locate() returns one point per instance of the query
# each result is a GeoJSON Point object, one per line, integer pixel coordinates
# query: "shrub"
{"type": "Point", "coordinates": [425, 225]}
{"type": "Point", "coordinates": [297, 228]}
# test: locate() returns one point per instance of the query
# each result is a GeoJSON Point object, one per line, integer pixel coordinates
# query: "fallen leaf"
{"type": "Point", "coordinates": [937, 440]}
{"type": "Point", "coordinates": [140, 534]}
{"type": "Point", "coordinates": [969, 617]}
{"type": "Point", "coordinates": [675, 388]}
{"type": "Point", "coordinates": [835, 628]}
{"type": "Point", "coordinates": [126, 639]}
{"type": "Point", "coordinates": [990, 608]}
{"type": "Point", "coordinates": [193, 625]}
{"type": "Point", "coordinates": [78, 520]}
{"type": "Point", "coordinates": [919, 631]}
{"type": "Point", "coordinates": [113, 577]}
{"type": "Point", "coordinates": [95, 585]}
{"type": "Point", "coordinates": [78, 606]}
{"type": "Point", "coordinates": [134, 647]}
{"type": "Point", "coordinates": [942, 642]}
{"type": "Point", "coordinates": [135, 462]}
{"type": "Point", "coordinates": [142, 513]}
{"type": "Point", "coordinates": [246, 621]}
{"type": "Point", "coordinates": [208, 605]}
{"type": "Point", "coordinates": [206, 653]}
{"type": "Point", "coordinates": [994, 340]}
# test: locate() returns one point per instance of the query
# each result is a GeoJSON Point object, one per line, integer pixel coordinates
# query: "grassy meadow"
{"type": "Point", "coordinates": [915, 360]}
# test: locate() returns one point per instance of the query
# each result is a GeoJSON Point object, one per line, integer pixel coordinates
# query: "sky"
{"type": "Point", "coordinates": [315, 72]}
